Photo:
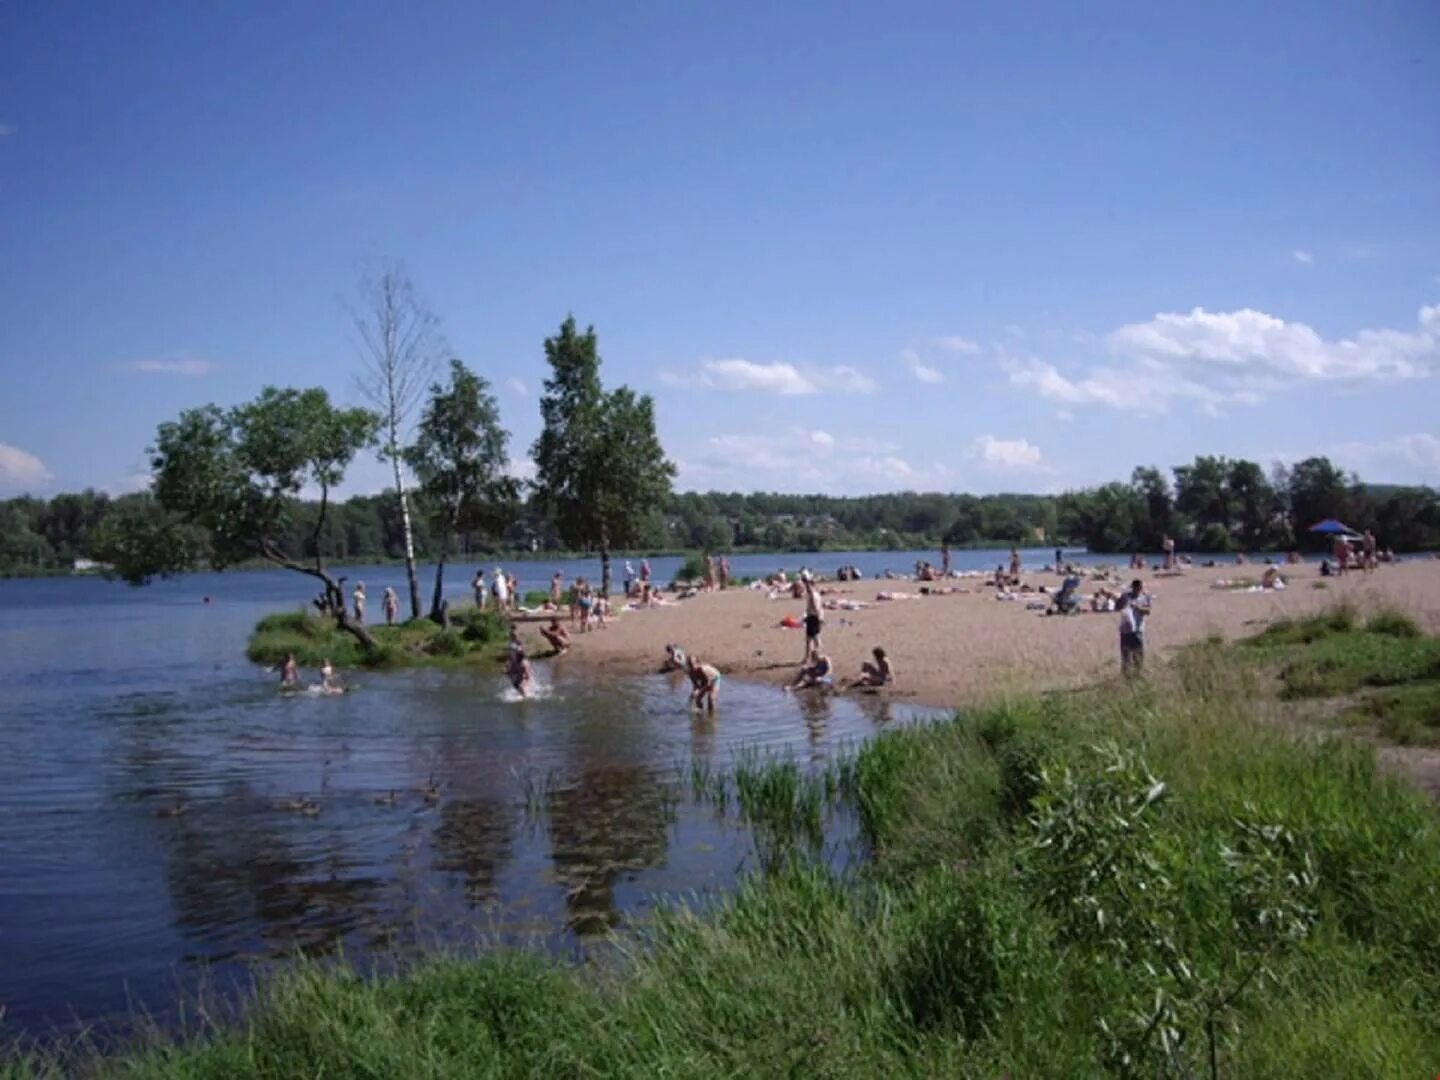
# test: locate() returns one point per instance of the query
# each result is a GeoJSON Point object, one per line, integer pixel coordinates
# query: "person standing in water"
{"type": "Point", "coordinates": [289, 671]}
{"type": "Point", "coordinates": [358, 599]}
{"type": "Point", "coordinates": [391, 604]}
{"type": "Point", "coordinates": [705, 679]}
{"type": "Point", "coordinates": [328, 682]}
{"type": "Point", "coordinates": [478, 585]}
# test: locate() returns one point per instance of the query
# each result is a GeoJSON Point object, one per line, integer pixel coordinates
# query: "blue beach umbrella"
{"type": "Point", "coordinates": [1331, 527]}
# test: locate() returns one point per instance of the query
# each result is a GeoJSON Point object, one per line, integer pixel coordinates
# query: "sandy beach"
{"type": "Point", "coordinates": [954, 648]}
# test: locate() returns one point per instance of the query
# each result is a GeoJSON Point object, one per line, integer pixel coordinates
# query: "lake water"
{"type": "Point", "coordinates": [557, 820]}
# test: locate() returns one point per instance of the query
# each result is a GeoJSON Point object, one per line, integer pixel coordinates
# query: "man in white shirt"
{"type": "Point", "coordinates": [1134, 607]}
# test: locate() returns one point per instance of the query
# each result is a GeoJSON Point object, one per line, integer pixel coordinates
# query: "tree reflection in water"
{"type": "Point", "coordinates": [475, 838]}
{"type": "Point", "coordinates": [611, 822]}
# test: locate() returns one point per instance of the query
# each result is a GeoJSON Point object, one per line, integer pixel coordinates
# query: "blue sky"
{"type": "Point", "coordinates": [848, 247]}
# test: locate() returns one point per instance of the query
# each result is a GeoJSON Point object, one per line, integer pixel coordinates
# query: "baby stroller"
{"type": "Point", "coordinates": [1065, 602]}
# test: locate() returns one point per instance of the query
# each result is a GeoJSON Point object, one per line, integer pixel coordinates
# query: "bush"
{"type": "Point", "coordinates": [693, 569]}
{"type": "Point", "coordinates": [1393, 623]}
{"type": "Point", "coordinates": [482, 627]}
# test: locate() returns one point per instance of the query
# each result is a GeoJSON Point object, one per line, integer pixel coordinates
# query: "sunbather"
{"type": "Point", "coordinates": [880, 673]}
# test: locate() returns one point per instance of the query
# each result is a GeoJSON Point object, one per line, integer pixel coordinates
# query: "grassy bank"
{"type": "Point", "coordinates": [474, 636]}
{"type": "Point", "coordinates": [1154, 880]}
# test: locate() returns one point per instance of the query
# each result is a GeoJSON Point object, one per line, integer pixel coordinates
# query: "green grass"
{"type": "Point", "coordinates": [1409, 715]}
{"type": "Point", "coordinates": [1128, 881]}
{"type": "Point", "coordinates": [313, 639]}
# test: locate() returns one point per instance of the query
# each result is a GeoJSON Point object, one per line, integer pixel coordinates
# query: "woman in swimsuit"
{"type": "Point", "coordinates": [880, 673]}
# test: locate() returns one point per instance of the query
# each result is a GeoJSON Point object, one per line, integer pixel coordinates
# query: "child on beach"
{"type": "Point", "coordinates": [880, 673]}
{"type": "Point", "coordinates": [705, 679]}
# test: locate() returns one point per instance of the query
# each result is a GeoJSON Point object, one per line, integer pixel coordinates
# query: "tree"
{"type": "Point", "coordinates": [399, 345]}
{"type": "Point", "coordinates": [459, 459]}
{"type": "Point", "coordinates": [236, 474]}
{"type": "Point", "coordinates": [1156, 518]}
{"type": "Point", "coordinates": [599, 467]}
{"type": "Point", "coordinates": [1253, 501]}
{"type": "Point", "coordinates": [1201, 494]}
{"type": "Point", "coordinates": [1318, 490]}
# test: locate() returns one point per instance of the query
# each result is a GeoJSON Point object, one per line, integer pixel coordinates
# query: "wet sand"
{"type": "Point", "coordinates": [956, 648]}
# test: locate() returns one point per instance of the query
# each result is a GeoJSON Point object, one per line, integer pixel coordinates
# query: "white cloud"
{"type": "Point", "coordinates": [517, 386]}
{"type": "Point", "coordinates": [925, 374]}
{"type": "Point", "coordinates": [1220, 359]}
{"type": "Point", "coordinates": [955, 343]}
{"type": "Point", "coordinates": [21, 471]}
{"type": "Point", "coordinates": [135, 480]}
{"type": "Point", "coordinates": [800, 459]}
{"type": "Point", "coordinates": [740, 374]}
{"type": "Point", "coordinates": [847, 380]}
{"type": "Point", "coordinates": [777, 377]}
{"type": "Point", "coordinates": [188, 366]}
{"type": "Point", "coordinates": [1006, 453]}
{"type": "Point", "coordinates": [1252, 341]}
{"type": "Point", "coordinates": [1305, 258]}
{"type": "Point", "coordinates": [1405, 459]}
{"type": "Point", "coordinates": [522, 468]}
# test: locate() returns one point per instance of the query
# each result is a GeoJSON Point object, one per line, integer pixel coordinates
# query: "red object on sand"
{"type": "Point", "coordinates": [790, 622]}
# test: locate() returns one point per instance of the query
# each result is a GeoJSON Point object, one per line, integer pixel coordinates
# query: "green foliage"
{"type": "Point", "coordinates": [313, 639]}
{"type": "Point", "coordinates": [1343, 663]}
{"type": "Point", "coordinates": [600, 471]}
{"type": "Point", "coordinates": [1394, 623]}
{"type": "Point", "coordinates": [459, 457]}
{"type": "Point", "coordinates": [692, 569]}
{"type": "Point", "coordinates": [1409, 714]}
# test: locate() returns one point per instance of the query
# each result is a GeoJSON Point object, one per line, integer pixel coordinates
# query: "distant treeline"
{"type": "Point", "coordinates": [1214, 504]}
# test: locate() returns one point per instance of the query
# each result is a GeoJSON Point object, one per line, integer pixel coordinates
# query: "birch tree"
{"type": "Point", "coordinates": [399, 342]}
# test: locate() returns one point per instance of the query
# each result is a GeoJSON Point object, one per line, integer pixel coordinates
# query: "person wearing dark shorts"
{"type": "Point", "coordinates": [814, 620]}
{"type": "Point", "coordinates": [1134, 607]}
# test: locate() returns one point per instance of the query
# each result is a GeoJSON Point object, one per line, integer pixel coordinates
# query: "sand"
{"type": "Point", "coordinates": [954, 649]}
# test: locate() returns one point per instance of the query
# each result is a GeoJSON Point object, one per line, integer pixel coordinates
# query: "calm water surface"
{"type": "Point", "coordinates": [558, 820]}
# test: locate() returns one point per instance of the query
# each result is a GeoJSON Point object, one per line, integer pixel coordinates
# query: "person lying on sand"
{"type": "Point", "coordinates": [706, 682]}
{"type": "Point", "coordinates": [821, 673]}
{"type": "Point", "coordinates": [557, 636]}
{"type": "Point", "coordinates": [880, 673]}
{"type": "Point", "coordinates": [674, 659]}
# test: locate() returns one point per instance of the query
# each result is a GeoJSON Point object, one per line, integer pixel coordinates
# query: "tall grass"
{"type": "Point", "coordinates": [1130, 881]}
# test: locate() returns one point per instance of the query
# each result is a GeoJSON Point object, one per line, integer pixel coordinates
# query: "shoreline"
{"type": "Point", "coordinates": [959, 648]}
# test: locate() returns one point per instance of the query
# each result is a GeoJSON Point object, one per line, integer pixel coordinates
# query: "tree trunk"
{"type": "Point", "coordinates": [438, 595]}
{"type": "Point", "coordinates": [334, 595]}
{"type": "Point", "coordinates": [605, 571]}
{"type": "Point", "coordinates": [409, 532]}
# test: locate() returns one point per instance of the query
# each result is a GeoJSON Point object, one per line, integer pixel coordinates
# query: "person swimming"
{"type": "Point", "coordinates": [289, 672]}
{"type": "Point", "coordinates": [328, 682]}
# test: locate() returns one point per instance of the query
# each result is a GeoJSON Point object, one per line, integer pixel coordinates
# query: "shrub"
{"type": "Point", "coordinates": [693, 569]}
{"type": "Point", "coordinates": [1393, 623]}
